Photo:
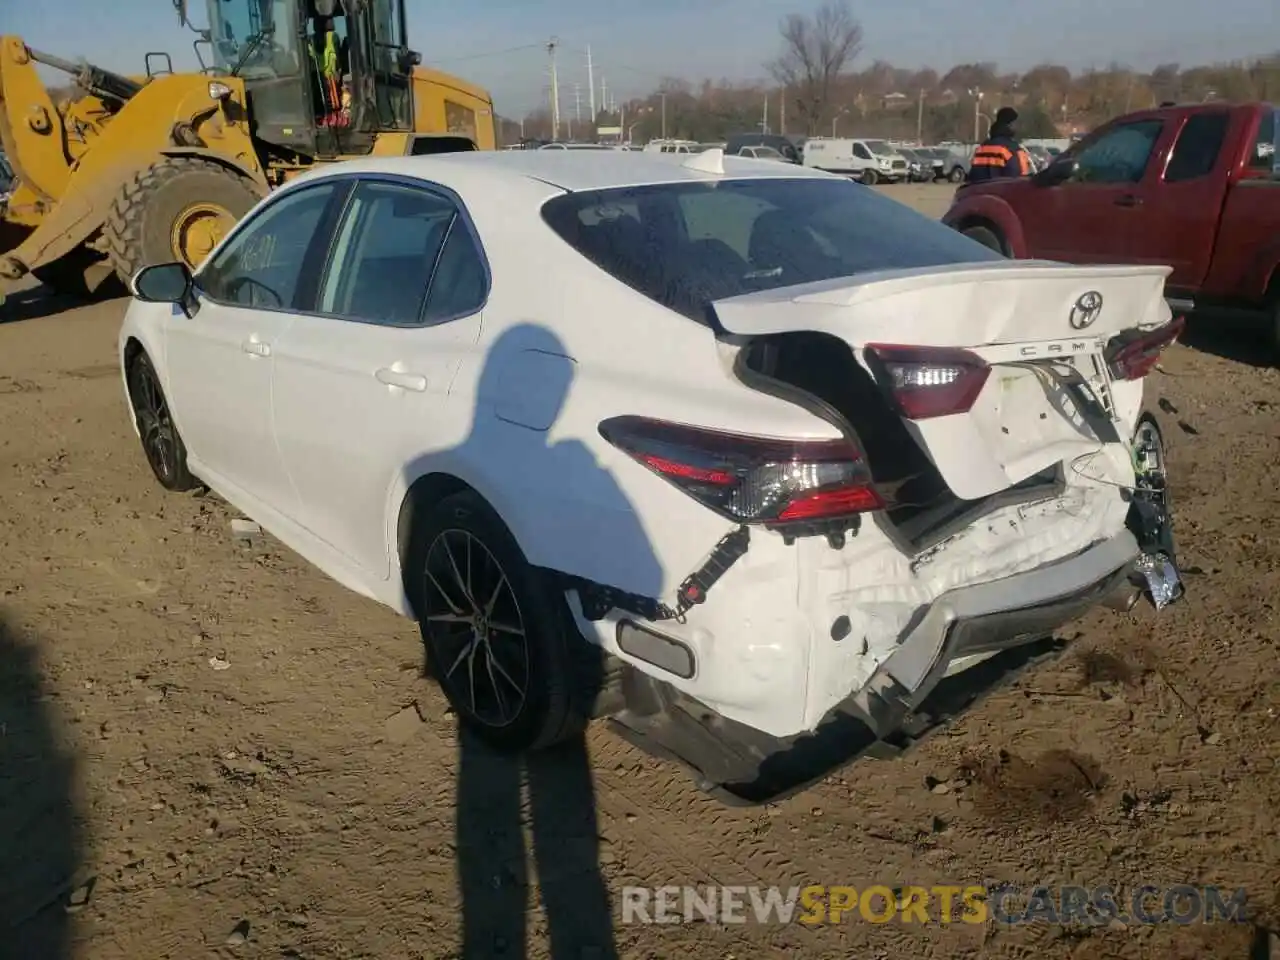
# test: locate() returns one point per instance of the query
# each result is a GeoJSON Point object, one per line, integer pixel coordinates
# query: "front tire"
{"type": "Point", "coordinates": [987, 237]}
{"type": "Point", "coordinates": [175, 210]}
{"type": "Point", "coordinates": [161, 442]}
{"type": "Point", "coordinates": [870, 177]}
{"type": "Point", "coordinates": [498, 635]}
{"type": "Point", "coordinates": [956, 175]}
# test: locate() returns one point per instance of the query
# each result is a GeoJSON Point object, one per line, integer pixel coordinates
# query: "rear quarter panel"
{"type": "Point", "coordinates": [564, 346]}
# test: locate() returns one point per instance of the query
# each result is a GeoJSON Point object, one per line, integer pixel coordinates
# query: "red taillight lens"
{"type": "Point", "coordinates": [751, 479]}
{"type": "Point", "coordinates": [1132, 357]}
{"type": "Point", "coordinates": [928, 382]}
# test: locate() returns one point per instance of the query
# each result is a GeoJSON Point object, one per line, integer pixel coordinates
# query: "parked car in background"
{"type": "Point", "coordinates": [919, 167]}
{"type": "Point", "coordinates": [870, 161]}
{"type": "Point", "coordinates": [559, 145]}
{"type": "Point", "coordinates": [784, 145]}
{"type": "Point", "coordinates": [1196, 187]}
{"type": "Point", "coordinates": [846, 498]}
{"type": "Point", "coordinates": [673, 146]}
{"type": "Point", "coordinates": [762, 153]}
{"type": "Point", "coordinates": [937, 161]}
{"type": "Point", "coordinates": [956, 162]}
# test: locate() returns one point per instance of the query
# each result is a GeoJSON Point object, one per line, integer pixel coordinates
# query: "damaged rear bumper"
{"type": "Point", "coordinates": [968, 642]}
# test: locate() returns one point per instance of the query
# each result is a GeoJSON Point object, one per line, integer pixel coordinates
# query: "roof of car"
{"type": "Point", "coordinates": [572, 170]}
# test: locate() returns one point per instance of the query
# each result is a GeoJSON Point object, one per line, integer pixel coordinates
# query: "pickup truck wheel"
{"type": "Point", "coordinates": [956, 175]}
{"type": "Point", "coordinates": [869, 177]}
{"type": "Point", "coordinates": [987, 237]}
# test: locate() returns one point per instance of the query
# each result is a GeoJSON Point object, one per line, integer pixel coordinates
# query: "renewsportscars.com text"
{"type": "Point", "coordinates": [1006, 904]}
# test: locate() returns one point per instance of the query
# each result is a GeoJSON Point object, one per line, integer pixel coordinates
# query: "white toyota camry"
{"type": "Point", "coordinates": [763, 466]}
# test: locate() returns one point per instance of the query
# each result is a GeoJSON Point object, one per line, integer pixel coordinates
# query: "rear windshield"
{"type": "Point", "coordinates": [687, 245]}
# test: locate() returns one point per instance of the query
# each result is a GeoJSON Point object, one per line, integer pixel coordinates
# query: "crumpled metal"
{"type": "Point", "coordinates": [1163, 582]}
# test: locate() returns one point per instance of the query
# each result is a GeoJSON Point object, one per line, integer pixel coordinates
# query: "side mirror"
{"type": "Point", "coordinates": [164, 283]}
{"type": "Point", "coordinates": [409, 59]}
{"type": "Point", "coordinates": [1059, 171]}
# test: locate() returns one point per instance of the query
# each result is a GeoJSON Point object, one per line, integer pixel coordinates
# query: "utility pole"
{"type": "Point", "coordinates": [577, 103]}
{"type": "Point", "coordinates": [976, 92]}
{"type": "Point", "coordinates": [604, 94]}
{"type": "Point", "coordinates": [764, 117]}
{"type": "Point", "coordinates": [555, 90]}
{"type": "Point", "coordinates": [920, 118]}
{"type": "Point", "coordinates": [664, 116]}
{"type": "Point", "coordinates": [591, 88]}
{"type": "Point", "coordinates": [782, 112]}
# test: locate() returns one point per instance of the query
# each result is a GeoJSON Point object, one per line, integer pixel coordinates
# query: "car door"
{"type": "Point", "coordinates": [220, 359]}
{"type": "Point", "coordinates": [1088, 218]}
{"type": "Point", "coordinates": [362, 384]}
{"type": "Point", "coordinates": [1178, 205]}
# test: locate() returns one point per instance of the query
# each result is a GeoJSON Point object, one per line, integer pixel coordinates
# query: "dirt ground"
{"type": "Point", "coordinates": [209, 749]}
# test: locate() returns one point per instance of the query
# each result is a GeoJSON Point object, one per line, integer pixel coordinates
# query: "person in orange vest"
{"type": "Point", "coordinates": [1000, 155]}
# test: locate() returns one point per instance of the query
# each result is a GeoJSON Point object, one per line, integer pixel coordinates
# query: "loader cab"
{"type": "Point", "coordinates": [323, 77]}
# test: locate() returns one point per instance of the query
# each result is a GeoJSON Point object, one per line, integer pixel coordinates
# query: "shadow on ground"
{"type": "Point", "coordinates": [39, 840]}
{"type": "Point", "coordinates": [1232, 339]}
{"type": "Point", "coordinates": [500, 640]}
{"type": "Point", "coordinates": [38, 302]}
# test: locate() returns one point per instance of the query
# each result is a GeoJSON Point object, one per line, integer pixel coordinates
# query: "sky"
{"type": "Point", "coordinates": [501, 44]}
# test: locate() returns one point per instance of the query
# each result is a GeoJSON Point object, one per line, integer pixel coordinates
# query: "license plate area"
{"type": "Point", "coordinates": [1078, 366]}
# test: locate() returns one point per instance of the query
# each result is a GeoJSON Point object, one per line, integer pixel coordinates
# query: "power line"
{"type": "Point", "coordinates": [492, 53]}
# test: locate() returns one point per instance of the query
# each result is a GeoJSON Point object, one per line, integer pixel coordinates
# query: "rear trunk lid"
{"type": "Point", "coordinates": [1022, 318]}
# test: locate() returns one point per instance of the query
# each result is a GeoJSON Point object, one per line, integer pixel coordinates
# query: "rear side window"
{"type": "Point", "coordinates": [1196, 152]}
{"type": "Point", "coordinates": [385, 252]}
{"type": "Point", "coordinates": [688, 245]}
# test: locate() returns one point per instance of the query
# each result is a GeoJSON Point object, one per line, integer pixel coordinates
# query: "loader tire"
{"type": "Point", "coordinates": [175, 210]}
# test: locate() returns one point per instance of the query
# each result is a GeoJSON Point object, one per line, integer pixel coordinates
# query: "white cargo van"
{"type": "Point", "coordinates": [871, 161]}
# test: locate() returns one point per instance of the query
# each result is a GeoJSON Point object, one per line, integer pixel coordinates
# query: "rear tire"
{"type": "Point", "coordinates": [161, 442]}
{"type": "Point", "coordinates": [498, 635]}
{"type": "Point", "coordinates": [987, 237]}
{"type": "Point", "coordinates": [175, 210]}
{"type": "Point", "coordinates": [956, 175]}
{"type": "Point", "coordinates": [869, 177]}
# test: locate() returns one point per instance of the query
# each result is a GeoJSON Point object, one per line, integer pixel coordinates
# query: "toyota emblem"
{"type": "Point", "coordinates": [1086, 310]}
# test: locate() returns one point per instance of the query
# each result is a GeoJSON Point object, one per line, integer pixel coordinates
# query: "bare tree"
{"type": "Point", "coordinates": [815, 52]}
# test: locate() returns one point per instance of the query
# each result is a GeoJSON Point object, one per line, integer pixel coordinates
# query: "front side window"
{"type": "Point", "coordinates": [385, 251]}
{"type": "Point", "coordinates": [861, 152]}
{"type": "Point", "coordinates": [687, 245]}
{"type": "Point", "coordinates": [1119, 155]}
{"type": "Point", "coordinates": [263, 265]}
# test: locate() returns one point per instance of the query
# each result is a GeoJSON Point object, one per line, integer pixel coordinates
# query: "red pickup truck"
{"type": "Point", "coordinates": [1196, 188]}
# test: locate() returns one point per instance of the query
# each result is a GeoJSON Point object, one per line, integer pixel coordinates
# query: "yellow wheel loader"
{"type": "Point", "coordinates": [137, 170]}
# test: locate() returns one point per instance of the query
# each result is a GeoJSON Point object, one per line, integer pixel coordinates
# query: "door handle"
{"type": "Point", "coordinates": [1128, 200]}
{"type": "Point", "coordinates": [255, 348]}
{"type": "Point", "coordinates": [399, 378]}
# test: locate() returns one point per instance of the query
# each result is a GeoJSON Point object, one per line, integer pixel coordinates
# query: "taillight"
{"type": "Point", "coordinates": [751, 479]}
{"type": "Point", "coordinates": [928, 382]}
{"type": "Point", "coordinates": [1131, 357]}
